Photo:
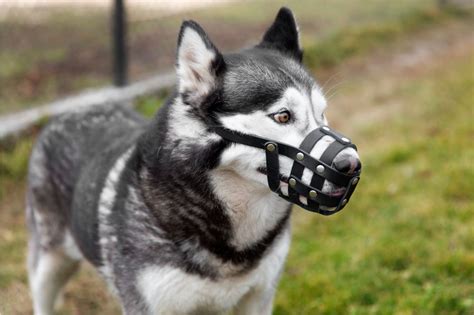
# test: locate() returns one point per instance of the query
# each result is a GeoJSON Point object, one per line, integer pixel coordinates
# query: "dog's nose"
{"type": "Point", "coordinates": [349, 166]}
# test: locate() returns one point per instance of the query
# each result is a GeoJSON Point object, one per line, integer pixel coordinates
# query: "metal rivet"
{"type": "Point", "coordinates": [355, 181]}
{"type": "Point", "coordinates": [300, 156]}
{"type": "Point", "coordinates": [326, 128]}
{"type": "Point", "coordinates": [344, 202]}
{"type": "Point", "coordinates": [292, 182]}
{"type": "Point", "coordinates": [313, 194]}
{"type": "Point", "coordinates": [319, 168]}
{"type": "Point", "coordinates": [345, 139]}
{"type": "Point", "coordinates": [271, 147]}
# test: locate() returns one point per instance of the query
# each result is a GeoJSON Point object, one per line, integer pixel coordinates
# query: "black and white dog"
{"type": "Point", "coordinates": [177, 219]}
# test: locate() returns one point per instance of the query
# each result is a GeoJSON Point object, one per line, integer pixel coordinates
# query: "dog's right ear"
{"type": "Point", "coordinates": [198, 63]}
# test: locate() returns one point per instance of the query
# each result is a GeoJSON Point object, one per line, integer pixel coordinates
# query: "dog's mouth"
{"type": "Point", "coordinates": [328, 188]}
{"type": "Point", "coordinates": [336, 192]}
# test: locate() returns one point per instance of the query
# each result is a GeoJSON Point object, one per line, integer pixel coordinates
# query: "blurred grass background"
{"type": "Point", "coordinates": [399, 77]}
{"type": "Point", "coordinates": [55, 51]}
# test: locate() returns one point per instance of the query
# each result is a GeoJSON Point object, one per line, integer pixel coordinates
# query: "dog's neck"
{"type": "Point", "coordinates": [252, 208]}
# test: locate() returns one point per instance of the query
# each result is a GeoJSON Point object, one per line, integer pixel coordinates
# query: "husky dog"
{"type": "Point", "coordinates": [176, 219]}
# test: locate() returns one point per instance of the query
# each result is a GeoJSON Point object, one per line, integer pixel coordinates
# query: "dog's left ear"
{"type": "Point", "coordinates": [198, 63]}
{"type": "Point", "coordinates": [283, 35]}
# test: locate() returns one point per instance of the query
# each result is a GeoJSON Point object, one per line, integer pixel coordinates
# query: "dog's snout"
{"type": "Point", "coordinates": [349, 165]}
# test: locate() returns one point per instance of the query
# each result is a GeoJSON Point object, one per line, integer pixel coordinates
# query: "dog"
{"type": "Point", "coordinates": [174, 217]}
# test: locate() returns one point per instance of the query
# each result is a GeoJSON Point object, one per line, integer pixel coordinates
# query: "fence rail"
{"type": "Point", "coordinates": [17, 122]}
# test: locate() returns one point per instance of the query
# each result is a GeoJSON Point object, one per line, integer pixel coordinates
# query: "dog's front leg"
{"type": "Point", "coordinates": [256, 302]}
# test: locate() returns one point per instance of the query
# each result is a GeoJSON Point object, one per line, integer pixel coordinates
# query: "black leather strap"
{"type": "Point", "coordinates": [331, 151]}
{"type": "Point", "coordinates": [273, 166]}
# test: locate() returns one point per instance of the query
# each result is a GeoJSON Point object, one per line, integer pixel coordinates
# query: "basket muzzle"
{"type": "Point", "coordinates": [322, 168]}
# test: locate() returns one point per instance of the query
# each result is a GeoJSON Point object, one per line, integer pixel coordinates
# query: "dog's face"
{"type": "Point", "coordinates": [263, 91]}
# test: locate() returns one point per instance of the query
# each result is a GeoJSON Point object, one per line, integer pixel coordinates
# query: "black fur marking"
{"type": "Point", "coordinates": [283, 35]}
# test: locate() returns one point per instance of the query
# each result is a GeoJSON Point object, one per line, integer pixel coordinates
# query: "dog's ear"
{"type": "Point", "coordinates": [283, 35]}
{"type": "Point", "coordinates": [198, 63]}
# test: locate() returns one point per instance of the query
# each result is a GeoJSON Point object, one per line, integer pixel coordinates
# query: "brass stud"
{"type": "Point", "coordinates": [292, 182]}
{"type": "Point", "coordinates": [300, 156]}
{"type": "Point", "coordinates": [320, 169]}
{"type": "Point", "coordinates": [313, 194]}
{"type": "Point", "coordinates": [270, 147]}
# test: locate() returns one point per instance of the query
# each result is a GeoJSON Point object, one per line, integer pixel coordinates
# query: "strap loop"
{"type": "Point", "coordinates": [273, 166]}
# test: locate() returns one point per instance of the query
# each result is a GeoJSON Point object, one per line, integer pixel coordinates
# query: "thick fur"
{"type": "Point", "coordinates": [176, 219]}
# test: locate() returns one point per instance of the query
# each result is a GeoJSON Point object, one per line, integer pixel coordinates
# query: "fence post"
{"type": "Point", "coordinates": [119, 43]}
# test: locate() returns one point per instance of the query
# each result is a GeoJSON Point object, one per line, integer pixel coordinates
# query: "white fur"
{"type": "Point", "coordinates": [194, 60]}
{"type": "Point", "coordinates": [48, 277]}
{"type": "Point", "coordinates": [70, 247]}
{"type": "Point", "coordinates": [106, 202]}
{"type": "Point", "coordinates": [169, 290]}
{"type": "Point", "coordinates": [253, 208]}
{"type": "Point", "coordinates": [319, 103]}
{"type": "Point", "coordinates": [186, 128]}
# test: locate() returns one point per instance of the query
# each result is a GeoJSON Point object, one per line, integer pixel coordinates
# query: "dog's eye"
{"type": "Point", "coordinates": [282, 117]}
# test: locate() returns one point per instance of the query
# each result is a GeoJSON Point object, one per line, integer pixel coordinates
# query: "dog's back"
{"type": "Point", "coordinates": [63, 157]}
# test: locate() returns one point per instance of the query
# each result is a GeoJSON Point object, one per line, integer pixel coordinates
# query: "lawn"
{"type": "Point", "coordinates": [405, 243]}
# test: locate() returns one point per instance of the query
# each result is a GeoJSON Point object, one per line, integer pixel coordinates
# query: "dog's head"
{"type": "Point", "coordinates": [263, 91]}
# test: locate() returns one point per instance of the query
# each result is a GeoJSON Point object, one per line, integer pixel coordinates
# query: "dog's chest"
{"type": "Point", "coordinates": [168, 289]}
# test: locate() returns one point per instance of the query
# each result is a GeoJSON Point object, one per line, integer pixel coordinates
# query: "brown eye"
{"type": "Point", "coordinates": [282, 117]}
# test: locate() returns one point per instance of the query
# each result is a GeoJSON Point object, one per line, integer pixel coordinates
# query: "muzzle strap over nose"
{"type": "Point", "coordinates": [317, 200]}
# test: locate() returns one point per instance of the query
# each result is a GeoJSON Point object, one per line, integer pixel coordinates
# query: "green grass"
{"type": "Point", "coordinates": [13, 162]}
{"type": "Point", "coordinates": [148, 106]}
{"type": "Point", "coordinates": [359, 39]}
